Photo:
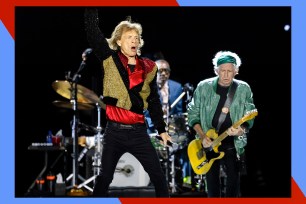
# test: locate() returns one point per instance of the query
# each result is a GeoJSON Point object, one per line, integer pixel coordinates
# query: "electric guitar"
{"type": "Point", "coordinates": [201, 158]}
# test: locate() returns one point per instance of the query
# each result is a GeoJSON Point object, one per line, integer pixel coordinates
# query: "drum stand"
{"type": "Point", "coordinates": [172, 173]}
{"type": "Point", "coordinates": [172, 159]}
{"type": "Point", "coordinates": [201, 184]}
{"type": "Point", "coordinates": [98, 154]}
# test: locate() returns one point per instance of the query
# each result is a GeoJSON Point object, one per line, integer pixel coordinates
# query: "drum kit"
{"type": "Point", "coordinates": [82, 98]}
{"type": "Point", "coordinates": [170, 156]}
{"type": "Point", "coordinates": [173, 160]}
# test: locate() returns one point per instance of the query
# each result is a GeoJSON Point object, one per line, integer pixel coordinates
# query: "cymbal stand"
{"type": "Point", "coordinates": [98, 152]}
{"type": "Point", "coordinates": [200, 183]}
{"type": "Point", "coordinates": [74, 135]}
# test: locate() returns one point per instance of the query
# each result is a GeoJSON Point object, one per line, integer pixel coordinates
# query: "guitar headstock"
{"type": "Point", "coordinates": [249, 115]}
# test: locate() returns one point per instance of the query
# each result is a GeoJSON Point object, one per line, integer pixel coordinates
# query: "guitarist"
{"type": "Point", "coordinates": [217, 104]}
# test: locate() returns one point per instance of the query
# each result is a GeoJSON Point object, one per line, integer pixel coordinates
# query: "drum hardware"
{"type": "Point", "coordinates": [175, 184]}
{"type": "Point", "coordinates": [66, 104]}
{"type": "Point", "coordinates": [88, 128]}
{"type": "Point", "coordinates": [76, 93]}
{"type": "Point", "coordinates": [172, 173]}
{"type": "Point", "coordinates": [73, 96]}
{"type": "Point", "coordinates": [188, 88]}
{"type": "Point", "coordinates": [201, 184]}
{"type": "Point", "coordinates": [167, 155]}
{"type": "Point", "coordinates": [129, 172]}
{"type": "Point", "coordinates": [97, 155]}
{"type": "Point", "coordinates": [178, 130]}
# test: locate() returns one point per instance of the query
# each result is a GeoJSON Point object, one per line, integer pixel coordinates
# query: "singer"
{"type": "Point", "coordinates": [129, 88]}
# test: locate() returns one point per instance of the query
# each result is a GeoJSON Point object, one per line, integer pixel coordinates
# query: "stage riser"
{"type": "Point", "coordinates": [132, 192]}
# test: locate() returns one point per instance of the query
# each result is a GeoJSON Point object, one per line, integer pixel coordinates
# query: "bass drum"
{"type": "Point", "coordinates": [129, 172]}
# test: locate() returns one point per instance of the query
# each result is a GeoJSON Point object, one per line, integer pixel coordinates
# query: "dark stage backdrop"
{"type": "Point", "coordinates": [50, 41]}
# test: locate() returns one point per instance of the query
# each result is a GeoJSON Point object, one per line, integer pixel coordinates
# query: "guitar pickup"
{"type": "Point", "coordinates": [202, 164]}
{"type": "Point", "coordinates": [200, 154]}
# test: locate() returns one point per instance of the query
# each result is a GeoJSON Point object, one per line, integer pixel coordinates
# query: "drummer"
{"type": "Point", "coordinates": [169, 90]}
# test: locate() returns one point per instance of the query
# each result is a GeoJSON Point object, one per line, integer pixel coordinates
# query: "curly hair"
{"type": "Point", "coordinates": [231, 57]}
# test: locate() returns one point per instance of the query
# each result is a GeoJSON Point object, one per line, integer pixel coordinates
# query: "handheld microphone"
{"type": "Point", "coordinates": [169, 143]}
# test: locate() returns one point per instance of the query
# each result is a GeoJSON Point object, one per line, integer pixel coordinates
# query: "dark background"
{"type": "Point", "coordinates": [50, 41]}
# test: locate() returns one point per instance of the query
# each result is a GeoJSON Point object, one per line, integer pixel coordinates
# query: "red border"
{"type": "Point", "coordinates": [7, 8]}
{"type": "Point", "coordinates": [7, 16]}
{"type": "Point", "coordinates": [297, 197]}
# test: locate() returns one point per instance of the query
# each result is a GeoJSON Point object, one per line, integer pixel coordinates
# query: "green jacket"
{"type": "Point", "coordinates": [205, 100]}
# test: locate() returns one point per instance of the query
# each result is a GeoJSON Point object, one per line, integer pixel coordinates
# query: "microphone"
{"type": "Point", "coordinates": [77, 76]}
{"type": "Point", "coordinates": [188, 87]}
{"type": "Point", "coordinates": [86, 53]}
{"type": "Point", "coordinates": [169, 143]}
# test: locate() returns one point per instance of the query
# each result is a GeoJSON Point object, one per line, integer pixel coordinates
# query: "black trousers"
{"type": "Point", "coordinates": [231, 169]}
{"type": "Point", "coordinates": [119, 139]}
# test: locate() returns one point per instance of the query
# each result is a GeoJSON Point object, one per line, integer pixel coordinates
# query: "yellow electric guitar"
{"type": "Point", "coordinates": [201, 158]}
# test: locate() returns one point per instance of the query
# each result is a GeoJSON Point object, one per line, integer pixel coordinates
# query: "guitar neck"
{"type": "Point", "coordinates": [224, 134]}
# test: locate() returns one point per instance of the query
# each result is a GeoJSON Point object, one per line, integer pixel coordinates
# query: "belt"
{"type": "Point", "coordinates": [125, 126]}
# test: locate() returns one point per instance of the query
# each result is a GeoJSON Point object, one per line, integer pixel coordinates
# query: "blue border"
{"type": "Point", "coordinates": [298, 100]}
{"type": "Point", "coordinates": [7, 153]}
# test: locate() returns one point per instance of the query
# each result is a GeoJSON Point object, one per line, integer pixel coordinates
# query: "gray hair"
{"type": "Point", "coordinates": [221, 54]}
{"type": "Point", "coordinates": [122, 27]}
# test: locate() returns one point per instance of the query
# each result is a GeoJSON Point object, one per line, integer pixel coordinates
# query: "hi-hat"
{"type": "Point", "coordinates": [67, 104]}
{"type": "Point", "coordinates": [84, 95]}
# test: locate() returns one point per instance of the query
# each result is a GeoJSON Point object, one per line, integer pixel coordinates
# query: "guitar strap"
{"type": "Point", "coordinates": [227, 104]}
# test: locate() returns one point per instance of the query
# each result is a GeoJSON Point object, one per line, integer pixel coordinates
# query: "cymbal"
{"type": "Point", "coordinates": [84, 95]}
{"type": "Point", "coordinates": [67, 104]}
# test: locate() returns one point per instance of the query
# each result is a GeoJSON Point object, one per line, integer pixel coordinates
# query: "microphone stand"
{"type": "Point", "coordinates": [74, 128]}
{"type": "Point", "coordinates": [177, 100]}
{"type": "Point", "coordinates": [74, 133]}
